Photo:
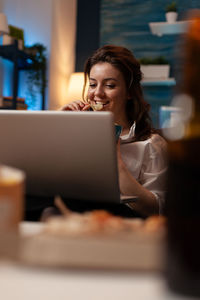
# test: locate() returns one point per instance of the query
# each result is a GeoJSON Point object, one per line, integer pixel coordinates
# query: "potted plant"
{"type": "Point", "coordinates": [155, 68]}
{"type": "Point", "coordinates": [15, 33]}
{"type": "Point", "coordinates": [171, 12]}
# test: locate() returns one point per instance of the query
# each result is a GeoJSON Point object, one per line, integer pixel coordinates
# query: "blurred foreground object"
{"type": "Point", "coordinates": [183, 191]}
{"type": "Point", "coordinates": [96, 239]}
{"type": "Point", "coordinates": [11, 209]}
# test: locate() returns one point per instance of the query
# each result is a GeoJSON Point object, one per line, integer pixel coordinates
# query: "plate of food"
{"type": "Point", "coordinates": [97, 239]}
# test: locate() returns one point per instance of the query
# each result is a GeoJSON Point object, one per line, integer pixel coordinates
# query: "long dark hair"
{"type": "Point", "coordinates": [137, 109]}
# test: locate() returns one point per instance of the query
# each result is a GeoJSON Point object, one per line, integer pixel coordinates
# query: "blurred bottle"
{"type": "Point", "coordinates": [12, 188]}
{"type": "Point", "coordinates": [183, 182]}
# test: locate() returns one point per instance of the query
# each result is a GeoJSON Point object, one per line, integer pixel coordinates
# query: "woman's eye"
{"type": "Point", "coordinates": [110, 86]}
{"type": "Point", "coordinates": [92, 84]}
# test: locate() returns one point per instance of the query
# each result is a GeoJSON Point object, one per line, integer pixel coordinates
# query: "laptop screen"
{"type": "Point", "coordinates": [72, 154]}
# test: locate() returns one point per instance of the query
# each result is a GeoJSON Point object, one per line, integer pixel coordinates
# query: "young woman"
{"type": "Point", "coordinates": [114, 77]}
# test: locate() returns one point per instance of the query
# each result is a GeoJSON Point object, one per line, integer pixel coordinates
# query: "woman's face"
{"type": "Point", "coordinates": [107, 87]}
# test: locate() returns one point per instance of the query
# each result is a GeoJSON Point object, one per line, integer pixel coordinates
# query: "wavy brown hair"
{"type": "Point", "coordinates": [137, 109]}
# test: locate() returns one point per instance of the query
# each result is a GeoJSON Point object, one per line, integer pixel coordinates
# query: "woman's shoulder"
{"type": "Point", "coordinates": [154, 138]}
{"type": "Point", "coordinates": [157, 138]}
{"type": "Point", "coordinates": [156, 143]}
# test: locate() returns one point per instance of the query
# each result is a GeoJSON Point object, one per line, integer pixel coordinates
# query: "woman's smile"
{"type": "Point", "coordinates": [99, 105]}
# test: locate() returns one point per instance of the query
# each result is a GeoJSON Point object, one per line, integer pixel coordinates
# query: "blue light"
{"type": "Point", "coordinates": [29, 61]}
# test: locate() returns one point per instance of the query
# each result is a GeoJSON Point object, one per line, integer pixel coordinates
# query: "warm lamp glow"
{"type": "Point", "coordinates": [75, 86]}
{"type": "Point", "coordinates": [3, 24]}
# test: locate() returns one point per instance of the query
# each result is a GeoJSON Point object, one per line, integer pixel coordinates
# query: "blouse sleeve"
{"type": "Point", "coordinates": [154, 167]}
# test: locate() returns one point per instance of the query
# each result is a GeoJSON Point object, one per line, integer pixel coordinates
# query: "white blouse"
{"type": "Point", "coordinates": [146, 161]}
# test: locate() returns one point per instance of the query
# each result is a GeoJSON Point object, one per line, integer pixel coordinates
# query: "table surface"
{"type": "Point", "coordinates": [25, 282]}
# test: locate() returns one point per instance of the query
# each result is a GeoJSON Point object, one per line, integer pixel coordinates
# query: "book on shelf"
{"type": "Point", "coordinates": [7, 102]}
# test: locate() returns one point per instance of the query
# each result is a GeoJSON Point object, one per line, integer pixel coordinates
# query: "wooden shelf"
{"type": "Point", "coordinates": [21, 61]}
{"type": "Point", "coordinates": [158, 82]}
{"type": "Point", "coordinates": [12, 53]}
{"type": "Point", "coordinates": [161, 28]}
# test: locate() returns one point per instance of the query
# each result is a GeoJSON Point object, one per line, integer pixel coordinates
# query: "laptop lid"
{"type": "Point", "coordinates": [72, 154]}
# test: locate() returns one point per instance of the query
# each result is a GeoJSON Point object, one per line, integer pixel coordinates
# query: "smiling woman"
{"type": "Point", "coordinates": [114, 77]}
{"type": "Point", "coordinates": [108, 88]}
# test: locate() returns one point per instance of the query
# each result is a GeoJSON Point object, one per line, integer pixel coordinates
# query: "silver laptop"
{"type": "Point", "coordinates": [72, 154]}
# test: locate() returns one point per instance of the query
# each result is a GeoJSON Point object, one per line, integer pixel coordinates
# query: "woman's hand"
{"type": "Point", "coordinates": [76, 106]}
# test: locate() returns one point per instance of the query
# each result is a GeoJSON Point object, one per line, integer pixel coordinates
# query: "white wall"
{"type": "Point", "coordinates": [52, 23]}
{"type": "Point", "coordinates": [62, 56]}
{"type": "Point", "coordinates": [33, 16]}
